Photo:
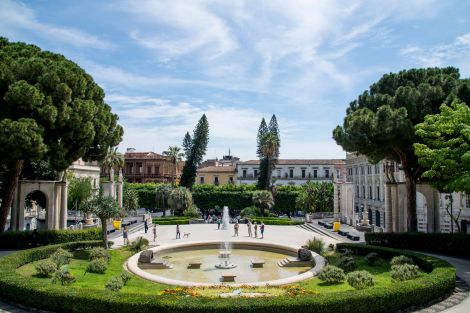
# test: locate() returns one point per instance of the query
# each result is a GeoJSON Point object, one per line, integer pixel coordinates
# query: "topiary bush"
{"type": "Point", "coordinates": [332, 275]}
{"type": "Point", "coordinates": [114, 284]}
{"type": "Point", "coordinates": [347, 263]}
{"type": "Point", "coordinates": [61, 257]}
{"type": "Point", "coordinates": [45, 268]}
{"type": "Point", "coordinates": [125, 276]}
{"type": "Point", "coordinates": [400, 260]}
{"type": "Point", "coordinates": [99, 253]}
{"type": "Point", "coordinates": [316, 245]}
{"type": "Point", "coordinates": [404, 272]}
{"type": "Point", "coordinates": [360, 279]}
{"type": "Point", "coordinates": [139, 244]}
{"type": "Point", "coordinates": [372, 258]}
{"type": "Point", "coordinates": [98, 266]}
{"type": "Point", "coordinates": [63, 276]}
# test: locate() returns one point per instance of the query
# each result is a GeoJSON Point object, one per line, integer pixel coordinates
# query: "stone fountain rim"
{"type": "Point", "coordinates": [132, 265]}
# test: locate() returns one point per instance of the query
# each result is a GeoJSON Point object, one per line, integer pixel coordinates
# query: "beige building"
{"type": "Point", "coordinates": [216, 175]}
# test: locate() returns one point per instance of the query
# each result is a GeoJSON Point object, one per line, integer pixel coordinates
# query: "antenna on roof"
{"type": "Point", "coordinates": [228, 151]}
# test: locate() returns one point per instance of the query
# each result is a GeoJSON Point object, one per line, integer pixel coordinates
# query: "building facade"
{"type": "Point", "coordinates": [146, 167]}
{"type": "Point", "coordinates": [218, 171]}
{"type": "Point", "coordinates": [293, 171]}
{"type": "Point", "coordinates": [83, 169]}
{"type": "Point", "coordinates": [368, 183]}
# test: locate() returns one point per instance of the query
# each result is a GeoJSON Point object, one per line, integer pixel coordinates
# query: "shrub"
{"type": "Point", "coordinates": [404, 272]}
{"type": "Point", "coordinates": [450, 244]}
{"type": "Point", "coordinates": [63, 276]}
{"type": "Point", "coordinates": [115, 283]}
{"type": "Point", "coordinates": [331, 275]}
{"type": "Point", "coordinates": [400, 260]}
{"type": "Point", "coordinates": [139, 244]}
{"type": "Point", "coordinates": [360, 279]}
{"type": "Point", "coordinates": [347, 263]}
{"type": "Point", "coordinates": [99, 253]}
{"type": "Point", "coordinates": [125, 276]}
{"type": "Point", "coordinates": [30, 239]}
{"type": "Point", "coordinates": [372, 258]}
{"type": "Point", "coordinates": [45, 268]}
{"type": "Point", "coordinates": [346, 252]}
{"type": "Point", "coordinates": [191, 212]}
{"type": "Point", "coordinates": [250, 212]}
{"type": "Point", "coordinates": [316, 245]}
{"type": "Point", "coordinates": [98, 266]}
{"type": "Point", "coordinates": [61, 257]}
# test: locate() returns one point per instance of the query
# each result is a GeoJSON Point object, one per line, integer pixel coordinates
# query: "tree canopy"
{"type": "Point", "coordinates": [195, 149]}
{"type": "Point", "coordinates": [445, 147]}
{"type": "Point", "coordinates": [380, 122]}
{"type": "Point", "coordinates": [50, 109]}
{"type": "Point", "coordinates": [268, 144]}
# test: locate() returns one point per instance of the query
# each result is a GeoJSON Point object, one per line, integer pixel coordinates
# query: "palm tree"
{"type": "Point", "coordinates": [269, 145]}
{"type": "Point", "coordinates": [175, 156]}
{"type": "Point", "coordinates": [263, 200]}
{"type": "Point", "coordinates": [113, 160]}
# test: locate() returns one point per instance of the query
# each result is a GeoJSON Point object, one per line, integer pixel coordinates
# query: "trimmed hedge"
{"type": "Point", "coordinates": [275, 221]}
{"type": "Point", "coordinates": [27, 239]}
{"type": "Point", "coordinates": [457, 244]}
{"type": "Point", "coordinates": [17, 288]}
{"type": "Point", "coordinates": [171, 220]}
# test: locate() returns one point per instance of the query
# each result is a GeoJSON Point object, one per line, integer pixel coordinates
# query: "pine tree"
{"type": "Point", "coordinates": [195, 151]}
{"type": "Point", "coordinates": [274, 129]}
{"type": "Point", "coordinates": [267, 165]}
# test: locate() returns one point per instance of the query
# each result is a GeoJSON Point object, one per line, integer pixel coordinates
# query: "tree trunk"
{"type": "Point", "coordinates": [268, 174]}
{"type": "Point", "coordinates": [9, 191]}
{"type": "Point", "coordinates": [104, 231]}
{"type": "Point", "coordinates": [412, 221]}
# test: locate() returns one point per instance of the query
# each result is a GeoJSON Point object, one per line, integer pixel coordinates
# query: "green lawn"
{"type": "Point", "coordinates": [381, 272]}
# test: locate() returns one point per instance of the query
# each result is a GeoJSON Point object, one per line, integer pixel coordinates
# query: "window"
{"type": "Point", "coordinates": [364, 192]}
{"type": "Point", "coordinates": [369, 215]}
{"type": "Point", "coordinates": [149, 170]}
{"type": "Point", "coordinates": [327, 173]}
{"type": "Point", "coordinates": [370, 192]}
{"type": "Point", "coordinates": [279, 173]}
{"type": "Point", "coordinates": [129, 169]}
{"type": "Point", "coordinates": [377, 218]}
{"type": "Point", "coordinates": [256, 173]}
{"type": "Point", "coordinates": [216, 180]}
{"type": "Point", "coordinates": [230, 179]}
{"type": "Point", "coordinates": [315, 174]}
{"type": "Point", "coordinates": [362, 170]}
{"type": "Point", "coordinates": [291, 173]}
{"type": "Point", "coordinates": [378, 193]}
{"type": "Point", "coordinates": [244, 173]}
{"type": "Point", "coordinates": [201, 180]}
{"type": "Point", "coordinates": [303, 173]}
{"type": "Point", "coordinates": [355, 170]}
{"type": "Point", "coordinates": [357, 192]}
{"type": "Point", "coordinates": [140, 168]}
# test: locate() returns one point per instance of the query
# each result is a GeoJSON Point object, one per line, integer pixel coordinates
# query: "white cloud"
{"type": "Point", "coordinates": [16, 17]}
{"type": "Point", "coordinates": [455, 53]}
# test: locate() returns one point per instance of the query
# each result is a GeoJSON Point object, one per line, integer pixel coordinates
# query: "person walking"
{"type": "Point", "coordinates": [178, 234]}
{"type": "Point", "coordinates": [255, 226]}
{"type": "Point", "coordinates": [248, 224]}
{"type": "Point", "coordinates": [235, 227]}
{"type": "Point", "coordinates": [154, 232]}
{"type": "Point", "coordinates": [146, 226]}
{"type": "Point", "coordinates": [125, 235]}
{"type": "Point", "coordinates": [261, 228]}
{"type": "Point", "coordinates": [218, 223]}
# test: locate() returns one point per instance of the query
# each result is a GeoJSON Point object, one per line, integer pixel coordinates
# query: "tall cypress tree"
{"type": "Point", "coordinates": [195, 151]}
{"type": "Point", "coordinates": [265, 167]}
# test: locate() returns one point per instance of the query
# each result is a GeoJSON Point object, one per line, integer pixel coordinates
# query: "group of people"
{"type": "Point", "coordinates": [251, 231]}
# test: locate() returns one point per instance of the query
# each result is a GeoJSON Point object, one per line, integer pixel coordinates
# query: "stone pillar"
{"type": "Point", "coordinates": [336, 201]}
{"type": "Point", "coordinates": [51, 210]}
{"type": "Point", "coordinates": [63, 205]}
{"type": "Point", "coordinates": [388, 208]}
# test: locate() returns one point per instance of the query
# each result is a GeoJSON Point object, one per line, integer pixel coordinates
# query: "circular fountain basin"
{"type": "Point", "coordinates": [242, 255]}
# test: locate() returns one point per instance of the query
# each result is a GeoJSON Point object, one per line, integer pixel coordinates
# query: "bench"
{"type": "Point", "coordinates": [353, 237]}
{"type": "Point", "coordinates": [228, 277]}
{"type": "Point", "coordinates": [257, 263]}
{"type": "Point", "coordinates": [343, 233]}
{"type": "Point", "coordinates": [194, 264]}
{"type": "Point", "coordinates": [321, 223]}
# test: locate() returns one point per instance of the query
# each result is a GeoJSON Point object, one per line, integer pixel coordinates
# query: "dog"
{"type": "Point", "coordinates": [186, 235]}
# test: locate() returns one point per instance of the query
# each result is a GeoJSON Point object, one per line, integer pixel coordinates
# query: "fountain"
{"type": "Point", "coordinates": [224, 255]}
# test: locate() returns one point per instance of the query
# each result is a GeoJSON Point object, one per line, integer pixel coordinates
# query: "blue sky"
{"type": "Point", "coordinates": [163, 64]}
